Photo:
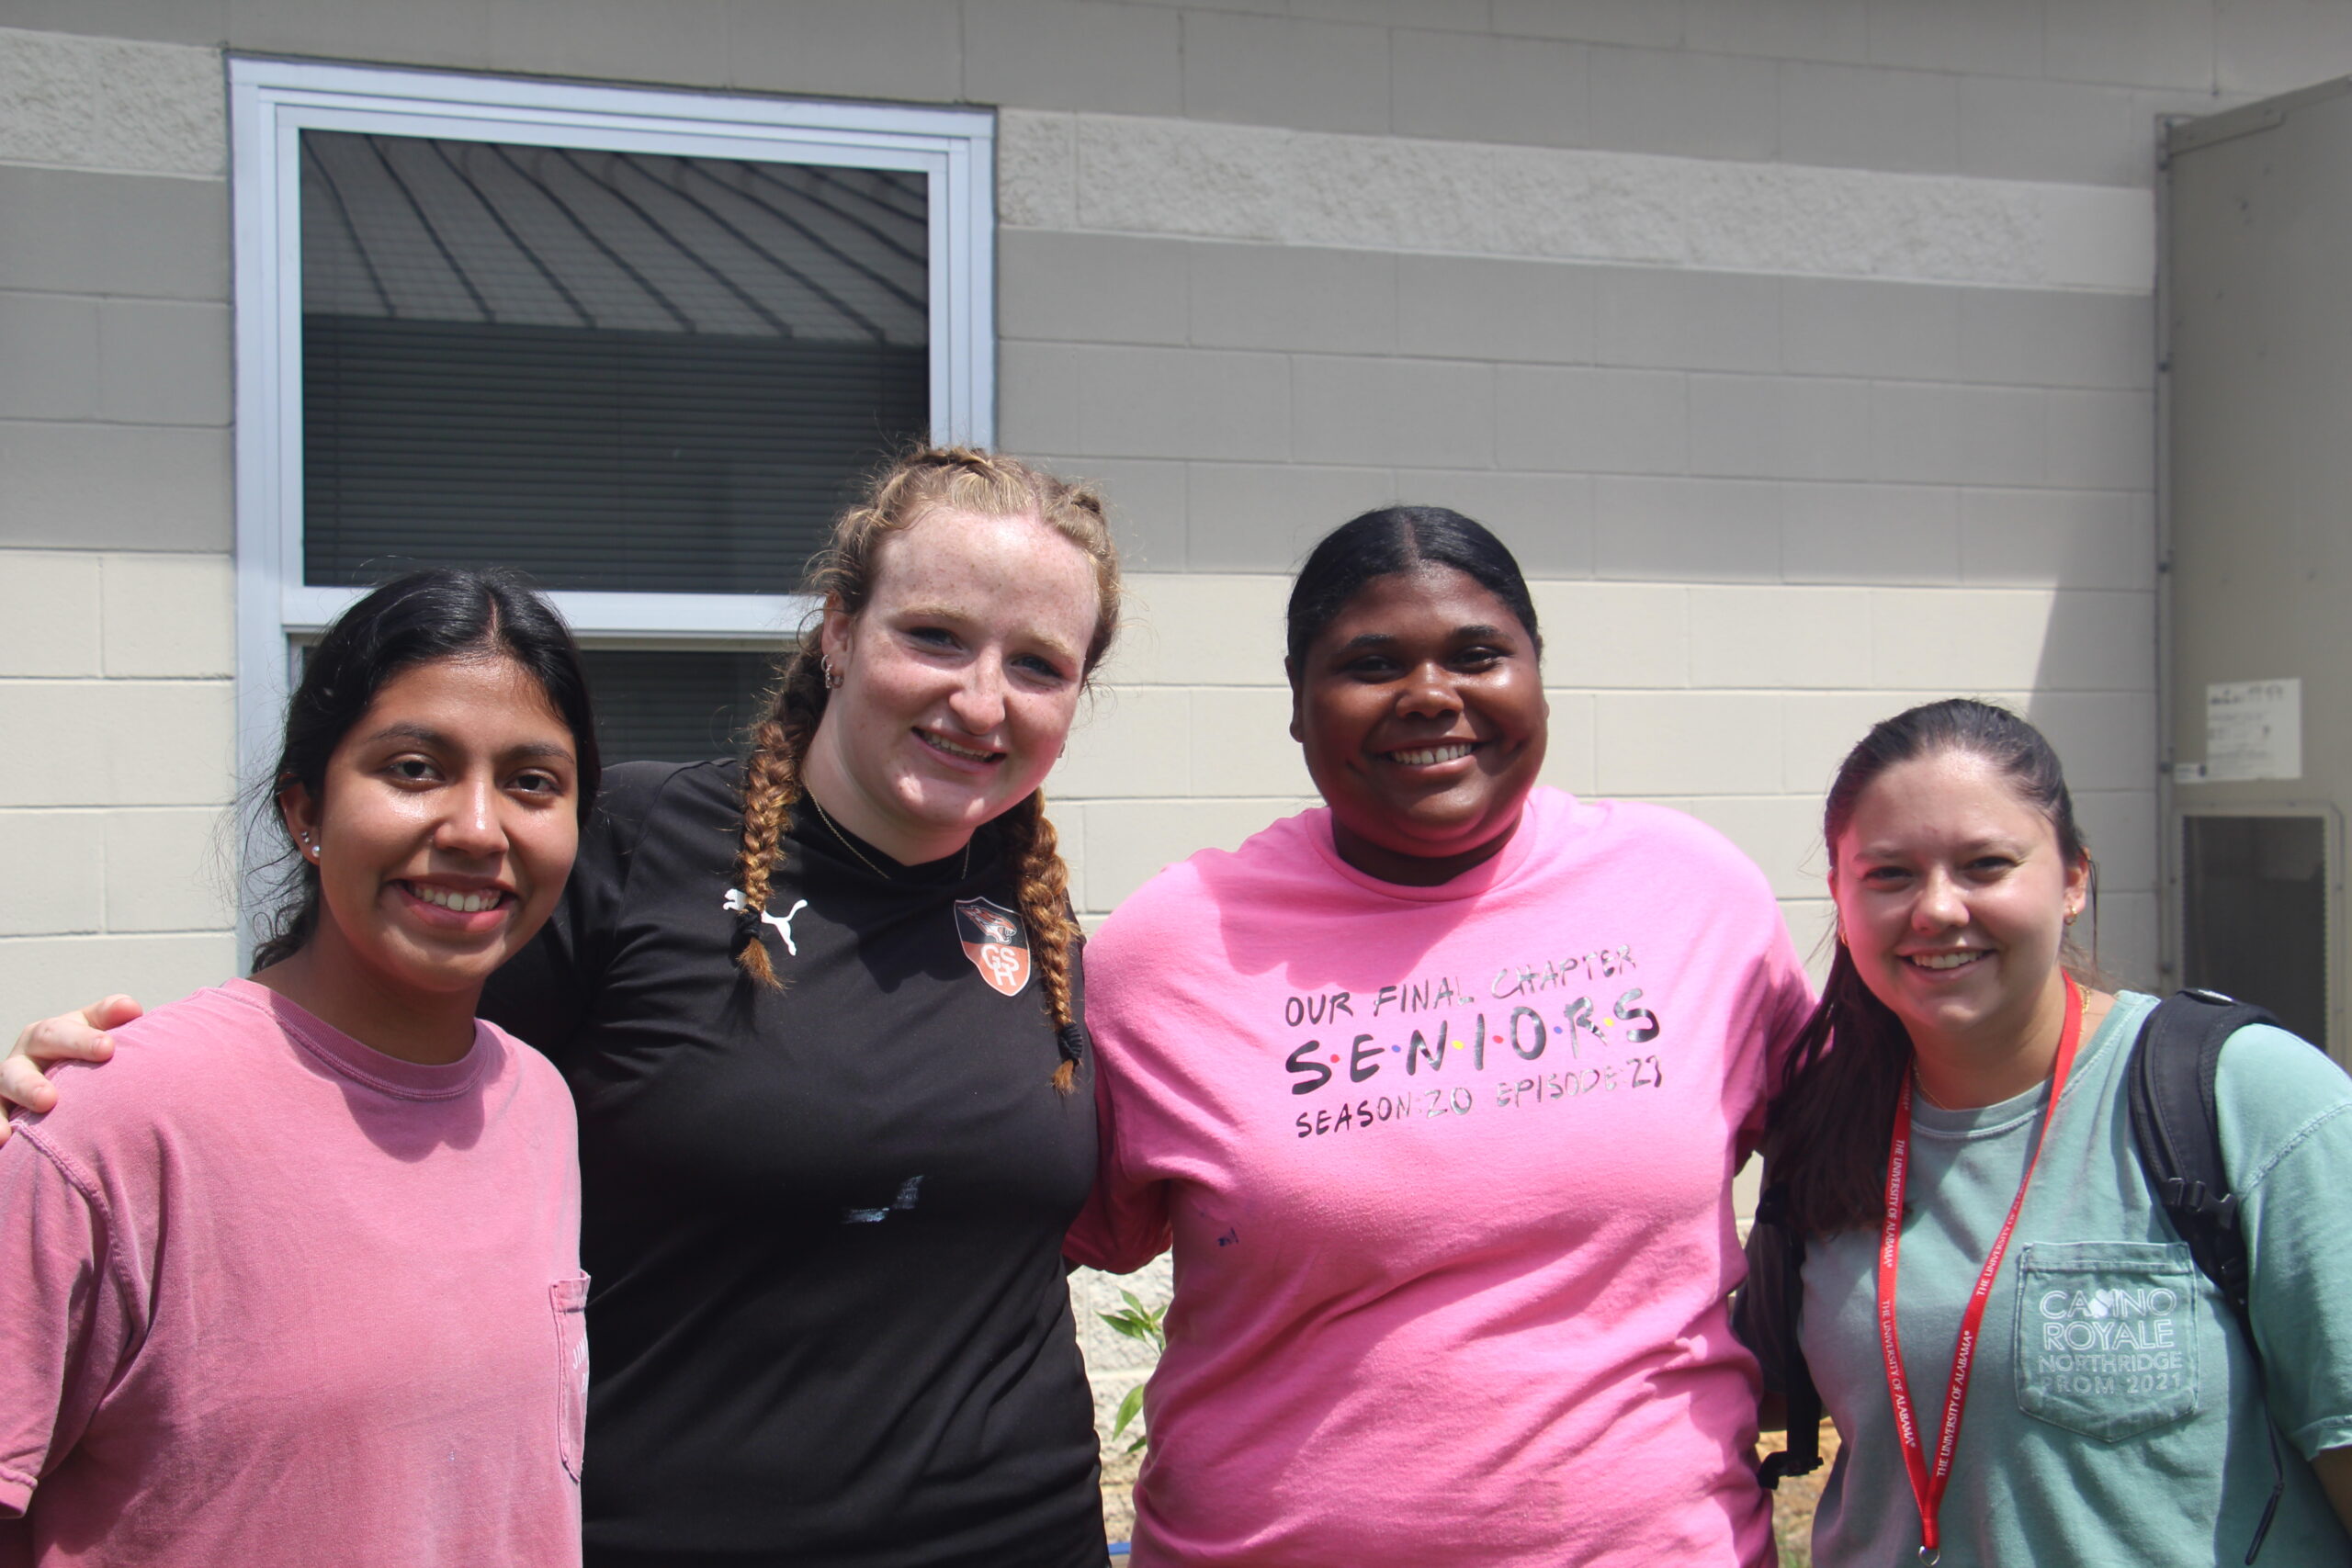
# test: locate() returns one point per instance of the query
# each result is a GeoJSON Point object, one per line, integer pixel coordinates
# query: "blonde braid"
{"type": "Point", "coordinates": [771, 784]}
{"type": "Point", "coordinates": [1042, 889]}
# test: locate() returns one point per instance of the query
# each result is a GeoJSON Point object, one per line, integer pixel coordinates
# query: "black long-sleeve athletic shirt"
{"type": "Point", "coordinates": [828, 1323]}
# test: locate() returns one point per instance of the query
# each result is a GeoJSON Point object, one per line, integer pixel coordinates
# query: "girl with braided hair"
{"type": "Point", "coordinates": [819, 1009]}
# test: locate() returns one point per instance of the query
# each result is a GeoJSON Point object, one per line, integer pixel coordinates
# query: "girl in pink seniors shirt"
{"type": "Point", "coordinates": [333, 1316]}
{"type": "Point", "coordinates": [1437, 1092]}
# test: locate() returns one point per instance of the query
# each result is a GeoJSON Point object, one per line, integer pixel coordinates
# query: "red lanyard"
{"type": "Point", "coordinates": [1927, 1487]}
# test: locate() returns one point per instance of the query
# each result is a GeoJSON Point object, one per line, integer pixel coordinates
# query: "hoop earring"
{"type": "Point", "coordinates": [832, 676]}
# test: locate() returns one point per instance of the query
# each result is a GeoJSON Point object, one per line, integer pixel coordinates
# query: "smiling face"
{"type": "Point", "coordinates": [1953, 896]}
{"type": "Point", "coordinates": [443, 833]}
{"type": "Point", "coordinates": [959, 679]}
{"type": "Point", "coordinates": [1421, 712]}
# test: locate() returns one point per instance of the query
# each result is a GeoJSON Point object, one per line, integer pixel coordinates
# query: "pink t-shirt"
{"type": "Point", "coordinates": [1447, 1173]}
{"type": "Point", "coordinates": [270, 1297]}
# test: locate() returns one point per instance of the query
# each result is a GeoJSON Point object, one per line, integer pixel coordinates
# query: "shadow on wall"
{"type": "Point", "coordinates": [2093, 694]}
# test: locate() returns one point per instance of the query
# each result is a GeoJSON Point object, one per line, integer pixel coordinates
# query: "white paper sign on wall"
{"type": "Point", "coordinates": [2253, 729]}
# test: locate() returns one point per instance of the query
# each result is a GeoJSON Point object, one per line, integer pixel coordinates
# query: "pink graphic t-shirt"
{"type": "Point", "coordinates": [269, 1297]}
{"type": "Point", "coordinates": [1447, 1174]}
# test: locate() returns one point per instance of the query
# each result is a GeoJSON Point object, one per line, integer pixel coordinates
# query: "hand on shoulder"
{"type": "Point", "coordinates": [78, 1036]}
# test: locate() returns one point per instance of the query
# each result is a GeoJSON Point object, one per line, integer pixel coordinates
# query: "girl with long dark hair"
{"type": "Point", "coordinates": [2023, 1361]}
{"type": "Point", "coordinates": [295, 1279]}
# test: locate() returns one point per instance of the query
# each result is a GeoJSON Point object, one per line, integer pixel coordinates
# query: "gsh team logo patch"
{"type": "Point", "coordinates": [996, 941]}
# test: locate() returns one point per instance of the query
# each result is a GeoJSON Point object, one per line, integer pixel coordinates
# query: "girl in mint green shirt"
{"type": "Point", "coordinates": [1960, 1073]}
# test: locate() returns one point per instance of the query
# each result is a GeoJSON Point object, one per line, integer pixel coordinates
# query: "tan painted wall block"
{"type": "Point", "coordinates": [1203, 630]}
{"type": "Point", "coordinates": [1127, 842]}
{"type": "Point", "coordinates": [1780, 636]}
{"type": "Point", "coordinates": [168, 870]}
{"type": "Point", "coordinates": [116, 743]}
{"type": "Point", "coordinates": [48, 616]}
{"type": "Point", "coordinates": [1781, 833]}
{"type": "Point", "coordinates": [1129, 740]}
{"type": "Point", "coordinates": [1672, 744]}
{"type": "Point", "coordinates": [1817, 728]}
{"type": "Point", "coordinates": [40, 976]}
{"type": "Point", "coordinates": [54, 881]}
{"type": "Point", "coordinates": [114, 486]}
{"type": "Point", "coordinates": [1960, 642]}
{"type": "Point", "coordinates": [1569, 757]}
{"type": "Point", "coordinates": [1609, 635]}
{"type": "Point", "coordinates": [1241, 744]}
{"type": "Point", "coordinates": [170, 616]}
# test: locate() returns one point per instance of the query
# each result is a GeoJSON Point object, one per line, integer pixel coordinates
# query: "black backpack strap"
{"type": "Point", "coordinates": [1765, 1317]}
{"type": "Point", "coordinates": [2176, 1126]}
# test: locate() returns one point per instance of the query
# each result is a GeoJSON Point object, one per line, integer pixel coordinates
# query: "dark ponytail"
{"type": "Point", "coordinates": [1834, 1109]}
{"type": "Point", "coordinates": [443, 612]}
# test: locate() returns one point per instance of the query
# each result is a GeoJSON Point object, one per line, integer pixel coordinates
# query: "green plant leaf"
{"type": "Point", "coordinates": [1129, 1408]}
{"type": "Point", "coordinates": [1139, 1321]}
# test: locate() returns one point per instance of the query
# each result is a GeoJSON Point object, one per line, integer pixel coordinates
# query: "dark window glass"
{"type": "Point", "coordinates": [675, 707]}
{"type": "Point", "coordinates": [617, 371]}
{"type": "Point", "coordinates": [2254, 899]}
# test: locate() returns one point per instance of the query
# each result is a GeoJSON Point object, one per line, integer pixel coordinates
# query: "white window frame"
{"type": "Point", "coordinates": [272, 102]}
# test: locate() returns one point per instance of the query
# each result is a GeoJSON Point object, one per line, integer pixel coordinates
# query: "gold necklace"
{"type": "Point", "coordinates": [844, 840]}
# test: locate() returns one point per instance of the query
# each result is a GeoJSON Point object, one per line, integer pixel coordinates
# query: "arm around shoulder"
{"type": "Point", "coordinates": [1125, 1221]}
{"type": "Point", "coordinates": [69, 1037]}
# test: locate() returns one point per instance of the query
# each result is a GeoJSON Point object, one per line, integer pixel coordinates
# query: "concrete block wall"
{"type": "Point", "coordinates": [1804, 351]}
{"type": "Point", "coordinates": [1845, 296]}
{"type": "Point", "coordinates": [1765, 508]}
{"type": "Point", "coordinates": [116, 593]}
{"type": "Point", "coordinates": [115, 698]}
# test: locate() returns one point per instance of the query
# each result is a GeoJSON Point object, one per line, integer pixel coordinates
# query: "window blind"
{"type": "Point", "coordinates": [675, 706]}
{"type": "Point", "coordinates": [618, 371]}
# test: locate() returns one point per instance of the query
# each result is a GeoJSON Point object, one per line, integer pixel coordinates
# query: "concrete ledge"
{"type": "Point", "coordinates": [69, 102]}
{"type": "Point", "coordinates": [1132, 175]}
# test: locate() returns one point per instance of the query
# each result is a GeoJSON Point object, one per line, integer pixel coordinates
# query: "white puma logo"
{"type": "Point", "coordinates": [734, 905]}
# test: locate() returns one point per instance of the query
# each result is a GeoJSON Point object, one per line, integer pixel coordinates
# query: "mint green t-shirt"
{"type": "Point", "coordinates": [2114, 1415]}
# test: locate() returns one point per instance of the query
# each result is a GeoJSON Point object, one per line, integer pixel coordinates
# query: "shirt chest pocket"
{"type": "Point", "coordinates": [569, 1300]}
{"type": "Point", "coordinates": [2107, 1336]}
